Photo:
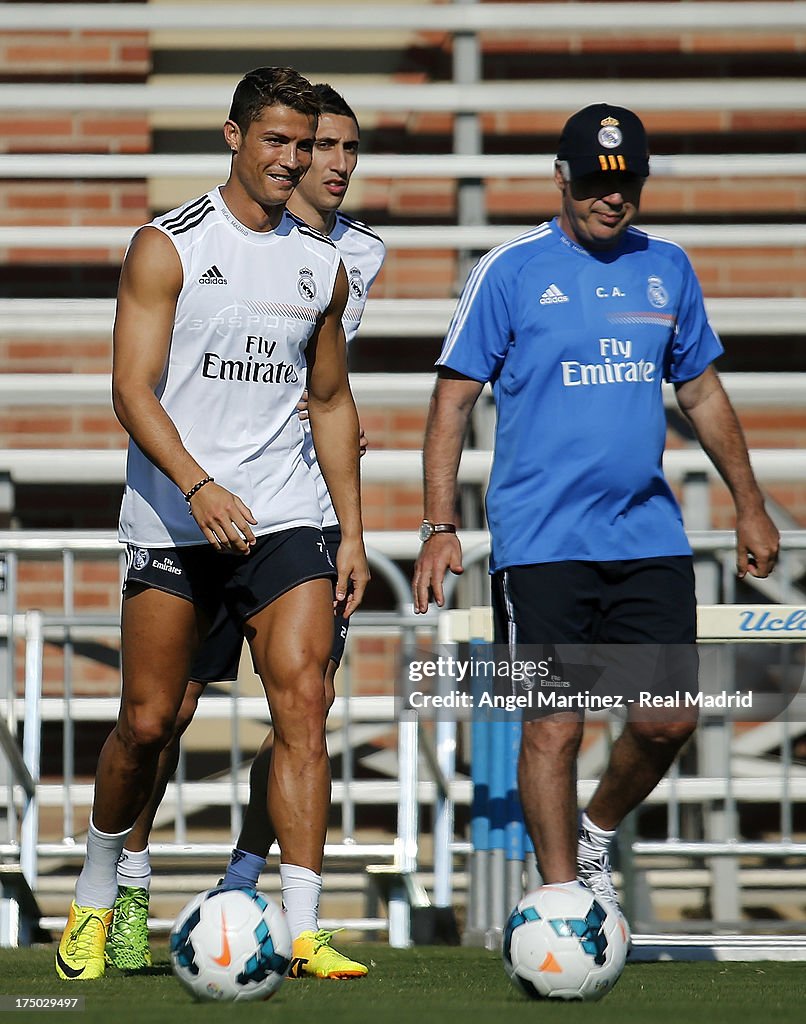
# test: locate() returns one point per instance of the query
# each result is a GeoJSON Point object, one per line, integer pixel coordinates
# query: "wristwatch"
{"type": "Point", "coordinates": [427, 529]}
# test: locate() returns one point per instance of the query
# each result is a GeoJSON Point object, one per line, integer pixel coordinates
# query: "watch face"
{"type": "Point", "coordinates": [426, 530]}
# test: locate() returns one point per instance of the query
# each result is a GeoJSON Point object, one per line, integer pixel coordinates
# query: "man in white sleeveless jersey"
{"type": "Point", "coordinates": [316, 201]}
{"type": "Point", "coordinates": [228, 307]}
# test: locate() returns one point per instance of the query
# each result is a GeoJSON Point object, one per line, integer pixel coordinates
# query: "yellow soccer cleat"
{"type": "Point", "coordinates": [80, 956]}
{"type": "Point", "coordinates": [312, 954]}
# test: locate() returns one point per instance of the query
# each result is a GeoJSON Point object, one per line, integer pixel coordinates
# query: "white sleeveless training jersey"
{"type": "Point", "coordinates": [362, 253]}
{"type": "Point", "coordinates": [236, 370]}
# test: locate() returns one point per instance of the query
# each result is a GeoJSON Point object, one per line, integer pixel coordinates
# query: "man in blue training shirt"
{"type": "Point", "coordinates": [575, 324]}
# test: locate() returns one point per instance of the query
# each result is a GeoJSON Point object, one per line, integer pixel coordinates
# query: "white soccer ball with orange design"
{"type": "Point", "coordinates": [230, 945]}
{"type": "Point", "coordinates": [565, 943]}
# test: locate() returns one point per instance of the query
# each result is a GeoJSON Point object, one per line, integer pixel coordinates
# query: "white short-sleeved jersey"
{"type": "Point", "coordinates": [236, 370]}
{"type": "Point", "coordinates": [362, 253]}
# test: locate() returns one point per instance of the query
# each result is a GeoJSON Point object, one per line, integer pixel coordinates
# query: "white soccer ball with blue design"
{"type": "Point", "coordinates": [230, 945]}
{"type": "Point", "coordinates": [564, 943]}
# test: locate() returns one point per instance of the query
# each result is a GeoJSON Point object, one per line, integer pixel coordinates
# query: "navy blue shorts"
{"type": "Point", "coordinates": [633, 601]}
{"type": "Point", "coordinates": [220, 653]}
{"type": "Point", "coordinates": [629, 625]}
{"type": "Point", "coordinates": [243, 584]}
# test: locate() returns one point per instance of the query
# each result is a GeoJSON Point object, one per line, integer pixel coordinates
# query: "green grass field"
{"type": "Point", "coordinates": [429, 985]}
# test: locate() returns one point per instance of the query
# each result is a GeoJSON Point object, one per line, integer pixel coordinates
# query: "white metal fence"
{"type": "Point", "coordinates": [744, 94]}
{"type": "Point", "coordinates": [108, 466]}
{"type": "Point", "coordinates": [601, 18]}
{"type": "Point", "coordinates": [354, 720]}
{"type": "Point", "coordinates": [396, 318]}
{"type": "Point", "coordinates": [215, 166]}
{"type": "Point", "coordinates": [736, 770]}
{"type": "Point", "coordinates": [420, 237]}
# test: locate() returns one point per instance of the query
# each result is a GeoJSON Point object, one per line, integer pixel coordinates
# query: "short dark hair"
{"type": "Point", "coordinates": [269, 87]}
{"type": "Point", "coordinates": [332, 102]}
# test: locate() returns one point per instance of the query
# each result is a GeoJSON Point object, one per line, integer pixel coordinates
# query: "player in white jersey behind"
{"type": "Point", "coordinates": [227, 307]}
{"type": "Point", "coordinates": [316, 201]}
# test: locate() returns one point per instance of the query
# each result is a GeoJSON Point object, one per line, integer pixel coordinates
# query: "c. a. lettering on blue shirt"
{"type": "Point", "coordinates": [576, 345]}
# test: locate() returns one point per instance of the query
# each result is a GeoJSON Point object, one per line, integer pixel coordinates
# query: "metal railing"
{"type": "Point", "coordinates": [601, 18]}
{"type": "Point", "coordinates": [353, 721]}
{"type": "Point", "coordinates": [746, 390]}
{"type": "Point", "coordinates": [727, 777]}
{"type": "Point", "coordinates": [215, 166]}
{"type": "Point", "coordinates": [476, 237]}
{"type": "Point", "coordinates": [744, 95]}
{"type": "Point", "coordinates": [383, 318]}
{"type": "Point", "coordinates": [108, 466]}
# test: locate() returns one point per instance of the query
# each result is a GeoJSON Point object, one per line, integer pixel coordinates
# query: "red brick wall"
{"type": "Point", "coordinates": [65, 427]}
{"type": "Point", "coordinates": [100, 57]}
{"type": "Point", "coordinates": [95, 55]}
{"type": "Point", "coordinates": [97, 589]}
{"type": "Point", "coordinates": [90, 57]}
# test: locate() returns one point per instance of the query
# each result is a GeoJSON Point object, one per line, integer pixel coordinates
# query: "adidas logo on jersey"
{"type": "Point", "coordinates": [212, 276]}
{"type": "Point", "coordinates": [552, 295]}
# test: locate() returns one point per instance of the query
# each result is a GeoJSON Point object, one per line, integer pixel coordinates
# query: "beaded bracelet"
{"type": "Point", "coordinates": [197, 487]}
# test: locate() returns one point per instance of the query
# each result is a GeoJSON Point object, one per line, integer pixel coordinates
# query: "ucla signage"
{"type": "Point", "coordinates": [751, 622]}
{"type": "Point", "coordinates": [767, 622]}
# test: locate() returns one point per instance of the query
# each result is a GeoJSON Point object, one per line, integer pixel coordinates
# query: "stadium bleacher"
{"type": "Point", "coordinates": [111, 112]}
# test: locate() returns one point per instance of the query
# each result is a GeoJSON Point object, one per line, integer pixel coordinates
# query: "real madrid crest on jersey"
{"type": "Point", "coordinates": [357, 287]}
{"type": "Point", "coordinates": [609, 134]}
{"type": "Point", "coordinates": [306, 286]}
{"type": "Point", "coordinates": [656, 292]}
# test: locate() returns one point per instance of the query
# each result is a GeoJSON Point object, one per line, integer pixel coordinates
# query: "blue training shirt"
{"type": "Point", "coordinates": [576, 345]}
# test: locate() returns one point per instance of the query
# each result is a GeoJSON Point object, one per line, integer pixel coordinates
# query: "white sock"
{"type": "Point", "coordinates": [301, 888]}
{"type": "Point", "coordinates": [134, 868]}
{"type": "Point", "coordinates": [97, 885]}
{"type": "Point", "coordinates": [599, 837]}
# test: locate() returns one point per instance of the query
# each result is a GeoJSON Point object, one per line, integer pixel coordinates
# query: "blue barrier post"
{"type": "Point", "coordinates": [478, 911]}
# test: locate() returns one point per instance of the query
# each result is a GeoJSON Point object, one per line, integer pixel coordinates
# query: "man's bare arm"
{"type": "Point", "coordinates": [707, 407]}
{"type": "Point", "coordinates": [451, 404]}
{"type": "Point", "coordinates": [335, 429]}
{"type": "Point", "coordinates": [149, 288]}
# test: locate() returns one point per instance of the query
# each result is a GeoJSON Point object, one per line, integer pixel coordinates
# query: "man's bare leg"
{"type": "Point", "coordinates": [547, 786]}
{"type": "Point", "coordinates": [159, 635]}
{"type": "Point", "coordinates": [166, 768]}
{"type": "Point", "coordinates": [291, 640]}
{"type": "Point", "coordinates": [257, 831]}
{"type": "Point", "coordinates": [639, 759]}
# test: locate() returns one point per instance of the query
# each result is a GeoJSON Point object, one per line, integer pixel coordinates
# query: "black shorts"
{"type": "Point", "coordinates": [243, 584]}
{"type": "Point", "coordinates": [628, 626]}
{"type": "Point", "coordinates": [220, 653]}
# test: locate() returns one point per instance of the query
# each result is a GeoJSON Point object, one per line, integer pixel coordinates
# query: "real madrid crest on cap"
{"type": "Point", "coordinates": [609, 134]}
{"type": "Point", "coordinates": [603, 137]}
{"type": "Point", "coordinates": [357, 287]}
{"type": "Point", "coordinates": [306, 286]}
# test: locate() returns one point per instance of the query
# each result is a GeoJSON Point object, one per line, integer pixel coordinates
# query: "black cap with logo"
{"type": "Point", "coordinates": [604, 138]}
